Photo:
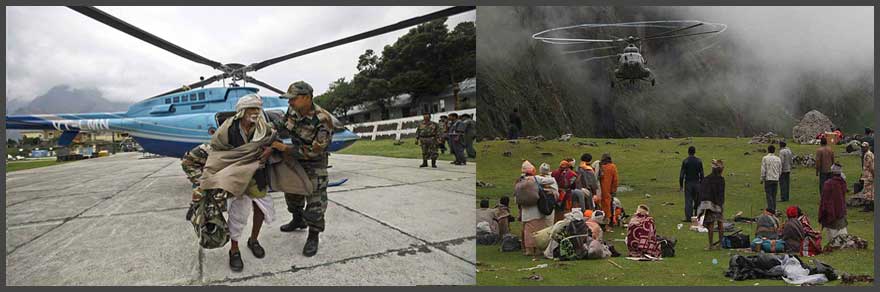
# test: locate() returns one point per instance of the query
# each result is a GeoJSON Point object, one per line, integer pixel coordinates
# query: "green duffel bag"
{"type": "Point", "coordinates": [209, 223]}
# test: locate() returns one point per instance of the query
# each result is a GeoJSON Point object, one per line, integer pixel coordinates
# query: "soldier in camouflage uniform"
{"type": "Point", "coordinates": [444, 127]}
{"type": "Point", "coordinates": [193, 163]}
{"type": "Point", "coordinates": [310, 128]}
{"type": "Point", "coordinates": [428, 136]}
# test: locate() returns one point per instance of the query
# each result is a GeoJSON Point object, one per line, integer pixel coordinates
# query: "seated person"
{"type": "Point", "coordinates": [799, 235]}
{"type": "Point", "coordinates": [502, 216]}
{"type": "Point", "coordinates": [484, 214]}
{"type": "Point", "coordinates": [641, 236]}
{"type": "Point", "coordinates": [593, 222]}
{"type": "Point", "coordinates": [792, 231]}
{"type": "Point", "coordinates": [768, 225]}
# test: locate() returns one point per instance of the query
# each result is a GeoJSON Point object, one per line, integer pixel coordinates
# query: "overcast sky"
{"type": "Point", "coordinates": [48, 46]}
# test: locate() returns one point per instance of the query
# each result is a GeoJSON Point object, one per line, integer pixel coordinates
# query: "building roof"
{"type": "Point", "coordinates": [467, 86]}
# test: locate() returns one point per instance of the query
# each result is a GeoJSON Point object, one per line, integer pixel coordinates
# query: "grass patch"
{"type": "Point", "coordinates": [22, 165]}
{"type": "Point", "coordinates": [386, 148]}
{"type": "Point", "coordinates": [652, 167]}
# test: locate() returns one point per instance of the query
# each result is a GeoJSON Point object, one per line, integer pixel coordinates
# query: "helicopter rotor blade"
{"type": "Point", "coordinates": [567, 41]}
{"type": "Point", "coordinates": [202, 83]}
{"type": "Point", "coordinates": [682, 35]}
{"type": "Point", "coordinates": [382, 30]}
{"type": "Point", "coordinates": [143, 35]}
{"type": "Point", "coordinates": [588, 50]}
{"type": "Point", "coordinates": [263, 84]}
{"type": "Point", "coordinates": [673, 31]}
{"type": "Point", "coordinates": [600, 58]}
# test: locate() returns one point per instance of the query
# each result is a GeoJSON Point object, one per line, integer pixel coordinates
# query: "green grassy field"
{"type": "Point", "coordinates": [652, 167]}
{"type": "Point", "coordinates": [387, 148]}
{"type": "Point", "coordinates": [22, 165]}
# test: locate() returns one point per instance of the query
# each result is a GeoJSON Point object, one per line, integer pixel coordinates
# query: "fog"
{"type": "Point", "coordinates": [761, 74]}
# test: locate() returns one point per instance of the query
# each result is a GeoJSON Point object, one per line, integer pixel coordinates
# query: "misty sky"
{"type": "Point", "coordinates": [48, 46]}
{"type": "Point", "coordinates": [800, 36]}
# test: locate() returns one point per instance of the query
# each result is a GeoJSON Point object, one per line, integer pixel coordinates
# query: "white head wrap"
{"type": "Point", "coordinates": [249, 101]}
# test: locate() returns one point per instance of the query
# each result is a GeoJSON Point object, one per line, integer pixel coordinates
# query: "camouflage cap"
{"type": "Point", "coordinates": [298, 88]}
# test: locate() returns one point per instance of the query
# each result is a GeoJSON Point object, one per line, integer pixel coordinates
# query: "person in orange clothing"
{"type": "Point", "coordinates": [608, 180]}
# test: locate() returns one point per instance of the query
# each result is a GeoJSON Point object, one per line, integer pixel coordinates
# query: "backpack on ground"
{"type": "Point", "coordinates": [736, 240]}
{"type": "Point", "coordinates": [510, 243]}
{"type": "Point", "coordinates": [768, 245]}
{"type": "Point", "coordinates": [667, 246]}
{"type": "Point", "coordinates": [575, 242]}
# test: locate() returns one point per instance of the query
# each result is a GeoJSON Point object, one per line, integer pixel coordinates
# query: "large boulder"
{"type": "Point", "coordinates": [813, 123]}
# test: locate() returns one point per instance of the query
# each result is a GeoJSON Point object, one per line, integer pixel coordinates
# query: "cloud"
{"type": "Point", "coordinates": [48, 46]}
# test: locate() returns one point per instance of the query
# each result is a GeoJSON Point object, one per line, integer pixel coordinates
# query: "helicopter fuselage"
{"type": "Point", "coordinates": [168, 125]}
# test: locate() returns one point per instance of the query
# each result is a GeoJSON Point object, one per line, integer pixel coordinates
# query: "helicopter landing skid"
{"type": "Point", "coordinates": [337, 183]}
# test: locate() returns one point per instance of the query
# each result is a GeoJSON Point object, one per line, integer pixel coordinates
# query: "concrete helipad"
{"type": "Point", "coordinates": [120, 221]}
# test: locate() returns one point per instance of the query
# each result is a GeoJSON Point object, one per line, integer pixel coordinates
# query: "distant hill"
{"type": "Point", "coordinates": [65, 99]}
{"type": "Point", "coordinates": [62, 99]}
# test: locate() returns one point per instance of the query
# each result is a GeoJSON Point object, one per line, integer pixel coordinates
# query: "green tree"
{"type": "Point", "coordinates": [424, 62]}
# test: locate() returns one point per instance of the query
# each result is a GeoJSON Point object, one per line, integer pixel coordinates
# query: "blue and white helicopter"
{"type": "Point", "coordinates": [172, 123]}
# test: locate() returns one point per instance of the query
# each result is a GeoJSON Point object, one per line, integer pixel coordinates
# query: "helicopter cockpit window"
{"type": "Point", "coordinates": [176, 99]}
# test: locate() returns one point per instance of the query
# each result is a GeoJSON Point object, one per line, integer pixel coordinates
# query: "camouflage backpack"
{"type": "Point", "coordinates": [208, 222]}
{"type": "Point", "coordinates": [576, 239]}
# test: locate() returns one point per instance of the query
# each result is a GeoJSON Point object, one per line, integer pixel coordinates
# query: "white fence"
{"type": "Point", "coordinates": [399, 130]}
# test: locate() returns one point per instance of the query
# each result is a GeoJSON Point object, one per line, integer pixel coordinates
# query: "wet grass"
{"type": "Point", "coordinates": [29, 164]}
{"type": "Point", "coordinates": [652, 167]}
{"type": "Point", "coordinates": [386, 148]}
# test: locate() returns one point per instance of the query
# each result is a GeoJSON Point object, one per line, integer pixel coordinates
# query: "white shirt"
{"type": "Point", "coordinates": [771, 167]}
{"type": "Point", "coordinates": [787, 157]}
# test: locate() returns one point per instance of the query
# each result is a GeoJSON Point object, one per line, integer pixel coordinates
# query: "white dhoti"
{"type": "Point", "coordinates": [832, 233]}
{"type": "Point", "coordinates": [240, 209]}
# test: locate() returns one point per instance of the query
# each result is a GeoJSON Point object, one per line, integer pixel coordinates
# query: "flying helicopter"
{"type": "Point", "coordinates": [631, 64]}
{"type": "Point", "coordinates": [172, 123]}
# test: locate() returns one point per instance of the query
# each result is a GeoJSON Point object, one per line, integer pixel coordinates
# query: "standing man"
{"type": "Point", "coordinates": [771, 168]}
{"type": "Point", "coordinates": [470, 133]}
{"type": "Point", "coordinates": [608, 182]}
{"type": "Point", "coordinates": [785, 177]}
{"type": "Point", "coordinates": [428, 136]}
{"type": "Point", "coordinates": [237, 168]}
{"type": "Point", "coordinates": [586, 184]}
{"type": "Point", "coordinates": [456, 138]}
{"type": "Point", "coordinates": [869, 137]}
{"type": "Point", "coordinates": [310, 130]}
{"type": "Point", "coordinates": [444, 128]}
{"type": "Point", "coordinates": [832, 204]}
{"type": "Point", "coordinates": [868, 176]}
{"type": "Point", "coordinates": [450, 128]}
{"type": "Point", "coordinates": [515, 126]}
{"type": "Point", "coordinates": [689, 179]}
{"type": "Point", "coordinates": [824, 160]}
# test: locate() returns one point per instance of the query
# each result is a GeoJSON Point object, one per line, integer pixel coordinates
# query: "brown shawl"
{"type": "Point", "coordinates": [231, 168]}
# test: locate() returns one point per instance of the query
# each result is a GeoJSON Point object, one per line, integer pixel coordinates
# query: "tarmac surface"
{"type": "Point", "coordinates": [120, 221]}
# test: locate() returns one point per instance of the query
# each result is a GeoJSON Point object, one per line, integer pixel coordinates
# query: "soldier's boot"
{"type": "Point", "coordinates": [295, 223]}
{"type": "Point", "coordinates": [424, 163]}
{"type": "Point", "coordinates": [434, 162]}
{"type": "Point", "coordinates": [311, 246]}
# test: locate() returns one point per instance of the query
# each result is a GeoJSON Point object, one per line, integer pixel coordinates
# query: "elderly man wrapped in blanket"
{"type": "Point", "coordinates": [242, 169]}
